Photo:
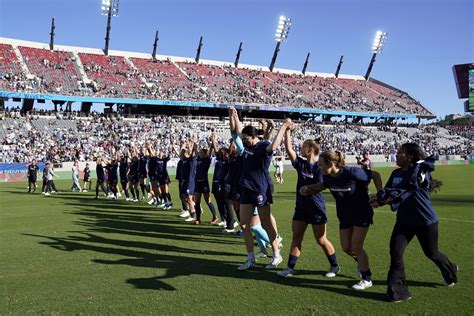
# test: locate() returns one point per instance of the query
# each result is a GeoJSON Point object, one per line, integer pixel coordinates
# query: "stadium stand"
{"type": "Point", "coordinates": [124, 75]}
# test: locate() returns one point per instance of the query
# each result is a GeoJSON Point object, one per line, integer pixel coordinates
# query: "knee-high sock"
{"type": "Point", "coordinates": [126, 193]}
{"type": "Point", "coordinates": [142, 186]}
{"type": "Point", "coordinates": [198, 209]}
{"type": "Point", "coordinates": [260, 235]}
{"type": "Point", "coordinates": [213, 210]}
{"type": "Point", "coordinates": [133, 193]}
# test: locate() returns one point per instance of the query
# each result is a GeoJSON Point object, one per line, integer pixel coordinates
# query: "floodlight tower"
{"type": "Point", "coordinates": [109, 8]}
{"type": "Point", "coordinates": [377, 46]}
{"type": "Point", "coordinates": [155, 45]}
{"type": "Point", "coordinates": [51, 36]}
{"type": "Point", "coordinates": [281, 35]}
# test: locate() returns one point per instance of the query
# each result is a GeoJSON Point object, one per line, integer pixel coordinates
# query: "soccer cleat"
{"type": "Point", "coordinates": [47, 194]}
{"type": "Point", "coordinates": [288, 272]}
{"type": "Point", "coordinates": [184, 214]}
{"type": "Point", "coordinates": [239, 233]}
{"type": "Point", "coordinates": [333, 270]}
{"type": "Point", "coordinates": [222, 224]}
{"type": "Point", "coordinates": [261, 254]}
{"type": "Point", "coordinates": [274, 264]}
{"type": "Point", "coordinates": [362, 285]}
{"type": "Point", "coordinates": [127, 199]}
{"type": "Point", "coordinates": [152, 201]}
{"type": "Point", "coordinates": [189, 219]}
{"type": "Point", "coordinates": [228, 231]}
{"type": "Point", "coordinates": [196, 222]}
{"type": "Point", "coordinates": [213, 222]}
{"type": "Point", "coordinates": [247, 265]}
{"type": "Point", "coordinates": [400, 300]}
{"type": "Point", "coordinates": [85, 191]}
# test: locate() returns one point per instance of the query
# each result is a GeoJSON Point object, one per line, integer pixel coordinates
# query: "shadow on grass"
{"type": "Point", "coordinates": [114, 217]}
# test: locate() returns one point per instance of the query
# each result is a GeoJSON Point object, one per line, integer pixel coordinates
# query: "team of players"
{"type": "Point", "coordinates": [242, 188]}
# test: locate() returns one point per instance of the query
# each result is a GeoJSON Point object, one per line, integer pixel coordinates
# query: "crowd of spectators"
{"type": "Point", "coordinates": [139, 78]}
{"type": "Point", "coordinates": [62, 136]}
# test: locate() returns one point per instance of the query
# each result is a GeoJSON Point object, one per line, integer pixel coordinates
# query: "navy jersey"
{"type": "Point", "coordinates": [234, 170]}
{"type": "Point", "coordinates": [350, 190]}
{"type": "Point", "coordinates": [123, 169]}
{"type": "Point", "coordinates": [255, 167]}
{"type": "Point", "coordinates": [202, 168]}
{"type": "Point", "coordinates": [33, 171]}
{"type": "Point", "coordinates": [152, 163]}
{"type": "Point", "coordinates": [161, 167]}
{"type": "Point", "coordinates": [308, 173]}
{"type": "Point", "coordinates": [134, 168]}
{"type": "Point", "coordinates": [99, 170]}
{"type": "Point", "coordinates": [179, 167]}
{"type": "Point", "coordinates": [220, 170]}
{"type": "Point", "coordinates": [112, 171]}
{"type": "Point", "coordinates": [417, 208]}
{"type": "Point", "coordinates": [188, 169]}
{"type": "Point", "coordinates": [142, 164]}
{"type": "Point", "coordinates": [87, 173]}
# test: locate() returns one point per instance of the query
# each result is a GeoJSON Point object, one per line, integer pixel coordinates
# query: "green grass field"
{"type": "Point", "coordinates": [72, 254]}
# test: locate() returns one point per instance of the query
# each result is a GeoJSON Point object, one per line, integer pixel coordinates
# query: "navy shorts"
{"type": "Point", "coordinates": [100, 180]}
{"type": "Point", "coordinates": [217, 187]}
{"type": "Point", "coordinates": [187, 188]}
{"type": "Point", "coordinates": [31, 179]}
{"type": "Point", "coordinates": [143, 174]}
{"type": "Point", "coordinates": [310, 215]}
{"type": "Point", "coordinates": [359, 222]}
{"type": "Point", "coordinates": [232, 193]}
{"type": "Point", "coordinates": [202, 186]}
{"type": "Point", "coordinates": [152, 178]}
{"type": "Point", "coordinates": [123, 179]}
{"type": "Point", "coordinates": [163, 180]}
{"type": "Point", "coordinates": [113, 181]}
{"type": "Point", "coordinates": [133, 178]}
{"type": "Point", "coordinates": [255, 198]}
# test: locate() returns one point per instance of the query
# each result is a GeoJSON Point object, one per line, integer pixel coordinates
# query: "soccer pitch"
{"type": "Point", "coordinates": [72, 254]}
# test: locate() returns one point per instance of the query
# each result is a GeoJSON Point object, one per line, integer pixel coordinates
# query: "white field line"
{"type": "Point", "coordinates": [390, 212]}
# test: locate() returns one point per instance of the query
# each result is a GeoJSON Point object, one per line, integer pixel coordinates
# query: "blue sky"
{"type": "Point", "coordinates": [426, 37]}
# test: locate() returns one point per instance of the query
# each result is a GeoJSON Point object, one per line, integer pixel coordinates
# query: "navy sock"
{"type": "Point", "coordinates": [142, 186]}
{"type": "Point", "coordinates": [332, 260]}
{"type": "Point", "coordinates": [126, 193]}
{"type": "Point", "coordinates": [198, 209]}
{"type": "Point", "coordinates": [292, 261]}
{"type": "Point", "coordinates": [137, 193]}
{"type": "Point", "coordinates": [366, 275]}
{"type": "Point", "coordinates": [168, 195]}
{"type": "Point", "coordinates": [213, 210]}
{"type": "Point", "coordinates": [97, 191]}
{"type": "Point", "coordinates": [133, 193]}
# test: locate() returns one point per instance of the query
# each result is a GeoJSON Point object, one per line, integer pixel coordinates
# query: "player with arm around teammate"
{"type": "Point", "coordinates": [349, 187]}
{"type": "Point", "coordinates": [309, 210]}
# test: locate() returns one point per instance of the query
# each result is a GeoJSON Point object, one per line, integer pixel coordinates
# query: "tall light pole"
{"type": "Point", "coordinates": [109, 8]}
{"type": "Point", "coordinates": [51, 36]}
{"type": "Point", "coordinates": [155, 45]}
{"type": "Point", "coordinates": [377, 46]}
{"type": "Point", "coordinates": [281, 35]}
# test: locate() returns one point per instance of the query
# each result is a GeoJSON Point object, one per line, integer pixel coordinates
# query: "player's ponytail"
{"type": "Point", "coordinates": [336, 157]}
{"type": "Point", "coordinates": [313, 145]}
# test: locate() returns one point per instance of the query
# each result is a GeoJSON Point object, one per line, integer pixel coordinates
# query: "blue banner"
{"type": "Point", "coordinates": [17, 167]}
{"type": "Point", "coordinates": [246, 107]}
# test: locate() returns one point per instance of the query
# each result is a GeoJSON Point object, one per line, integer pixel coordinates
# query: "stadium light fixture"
{"type": "Point", "coordinates": [109, 8]}
{"type": "Point", "coordinates": [281, 35]}
{"type": "Point", "coordinates": [377, 46]}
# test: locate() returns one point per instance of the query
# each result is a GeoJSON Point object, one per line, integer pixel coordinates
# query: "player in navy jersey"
{"type": "Point", "coordinates": [124, 167]}
{"type": "Point", "coordinates": [100, 173]}
{"type": "Point", "coordinates": [188, 176]}
{"type": "Point", "coordinates": [256, 191]}
{"type": "Point", "coordinates": [112, 175]}
{"type": "Point", "coordinates": [164, 178]}
{"type": "Point", "coordinates": [202, 187]}
{"type": "Point", "coordinates": [309, 210]}
{"type": "Point", "coordinates": [32, 175]}
{"type": "Point", "coordinates": [232, 189]}
{"type": "Point", "coordinates": [142, 172]}
{"type": "Point", "coordinates": [408, 192]}
{"type": "Point", "coordinates": [221, 167]}
{"type": "Point", "coordinates": [349, 187]}
{"type": "Point", "coordinates": [179, 176]}
{"type": "Point", "coordinates": [152, 174]}
{"type": "Point", "coordinates": [133, 175]}
{"type": "Point", "coordinates": [87, 178]}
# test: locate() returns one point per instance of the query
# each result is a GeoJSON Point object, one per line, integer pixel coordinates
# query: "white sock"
{"type": "Point", "coordinates": [276, 254]}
